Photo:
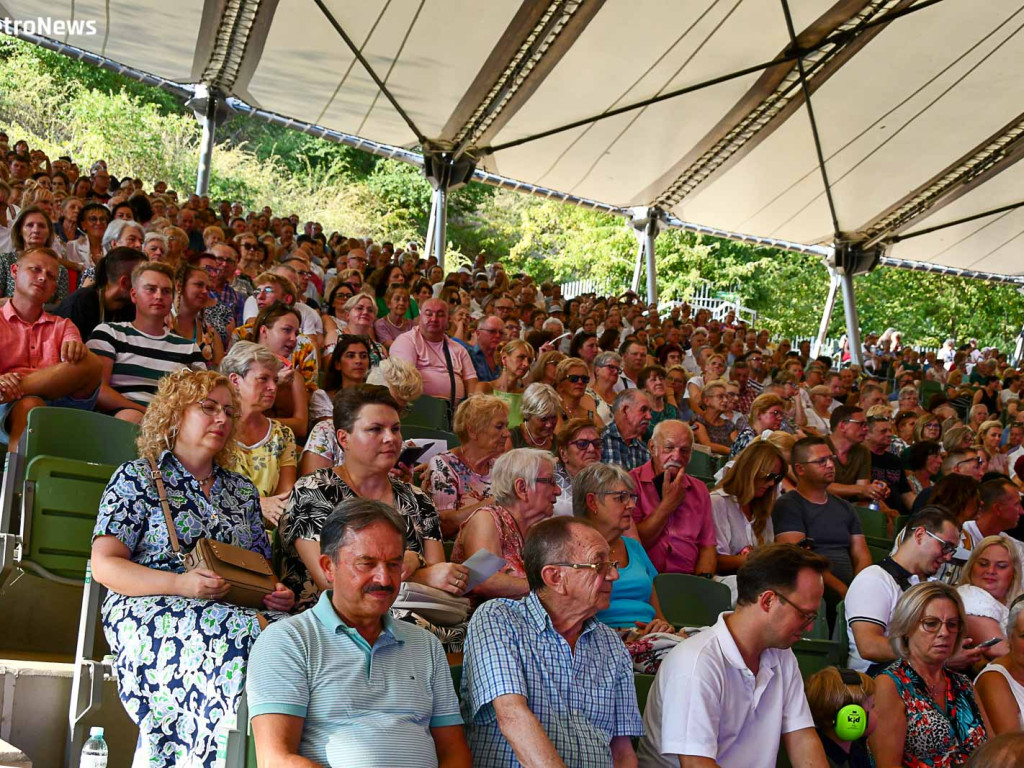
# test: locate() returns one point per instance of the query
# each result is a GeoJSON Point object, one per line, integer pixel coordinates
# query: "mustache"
{"type": "Point", "coordinates": [376, 588]}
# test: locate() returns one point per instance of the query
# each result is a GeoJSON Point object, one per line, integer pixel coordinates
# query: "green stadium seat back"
{"type": "Point", "coordinates": [874, 523]}
{"type": "Point", "coordinates": [691, 601]}
{"type": "Point", "coordinates": [413, 432]}
{"type": "Point", "coordinates": [878, 554]}
{"type": "Point", "coordinates": [643, 685]}
{"type": "Point", "coordinates": [456, 671]}
{"type": "Point", "coordinates": [840, 635]}
{"type": "Point", "coordinates": [65, 499]}
{"type": "Point", "coordinates": [428, 412]}
{"type": "Point", "coordinates": [927, 389]}
{"type": "Point", "coordinates": [701, 465]}
{"type": "Point", "coordinates": [70, 433]}
{"type": "Point", "coordinates": [819, 629]}
{"type": "Point", "coordinates": [815, 655]}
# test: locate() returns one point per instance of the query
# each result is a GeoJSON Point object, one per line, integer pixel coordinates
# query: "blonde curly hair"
{"type": "Point", "coordinates": [176, 392]}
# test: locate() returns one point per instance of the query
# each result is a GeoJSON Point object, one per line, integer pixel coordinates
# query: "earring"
{"type": "Point", "coordinates": [170, 438]}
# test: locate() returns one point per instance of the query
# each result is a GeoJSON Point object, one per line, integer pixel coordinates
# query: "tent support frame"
{"type": "Point", "coordinates": [646, 223]}
{"type": "Point", "coordinates": [852, 320]}
{"type": "Point", "coordinates": [826, 314]}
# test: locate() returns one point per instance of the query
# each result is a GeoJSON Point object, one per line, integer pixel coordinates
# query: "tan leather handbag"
{"type": "Point", "coordinates": [249, 574]}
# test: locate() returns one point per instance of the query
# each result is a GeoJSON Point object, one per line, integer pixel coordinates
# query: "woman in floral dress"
{"type": "Point", "coordinates": [180, 652]}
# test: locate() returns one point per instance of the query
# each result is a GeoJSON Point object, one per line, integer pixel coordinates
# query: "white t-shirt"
{"type": "Point", "coordinates": [872, 597]}
{"type": "Point", "coordinates": [311, 322]}
{"type": "Point", "coordinates": [705, 702]}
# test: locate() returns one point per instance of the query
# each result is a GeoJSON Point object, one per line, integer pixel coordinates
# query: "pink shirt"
{"type": "Point", "coordinates": [688, 529]}
{"type": "Point", "coordinates": [428, 357]}
{"type": "Point", "coordinates": [29, 347]}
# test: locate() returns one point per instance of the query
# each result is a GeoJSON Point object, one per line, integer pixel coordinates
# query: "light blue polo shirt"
{"type": "Point", "coordinates": [362, 706]}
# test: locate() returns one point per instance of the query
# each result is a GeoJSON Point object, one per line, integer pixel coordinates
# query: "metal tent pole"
{"type": "Point", "coordinates": [208, 120]}
{"type": "Point", "coordinates": [428, 246]}
{"type": "Point", "coordinates": [852, 321]}
{"type": "Point", "coordinates": [826, 315]}
{"type": "Point", "coordinates": [440, 224]}
{"type": "Point", "coordinates": [650, 233]}
{"type": "Point", "coordinates": [635, 285]}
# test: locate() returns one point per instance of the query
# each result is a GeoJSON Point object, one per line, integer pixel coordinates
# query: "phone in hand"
{"type": "Point", "coordinates": [411, 454]}
{"type": "Point", "coordinates": [989, 643]}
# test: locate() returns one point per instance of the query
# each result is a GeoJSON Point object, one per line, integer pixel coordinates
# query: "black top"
{"type": "Point", "coordinates": [83, 309]}
{"type": "Point", "coordinates": [858, 757]}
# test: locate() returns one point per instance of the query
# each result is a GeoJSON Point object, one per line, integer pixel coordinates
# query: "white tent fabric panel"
{"type": "Point", "coordinates": [917, 103]}
{"type": "Point", "coordinates": [157, 37]}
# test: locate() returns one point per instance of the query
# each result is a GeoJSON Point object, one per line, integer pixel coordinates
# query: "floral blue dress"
{"type": "Point", "coordinates": [179, 662]}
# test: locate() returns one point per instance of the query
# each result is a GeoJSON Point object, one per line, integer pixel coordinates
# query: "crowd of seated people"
{"type": "Point", "coordinates": [270, 367]}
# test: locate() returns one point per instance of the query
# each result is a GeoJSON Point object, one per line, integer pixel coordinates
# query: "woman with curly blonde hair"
{"type": "Point", "coordinates": [176, 643]}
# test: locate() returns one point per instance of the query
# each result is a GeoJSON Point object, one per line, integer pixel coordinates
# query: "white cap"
{"type": "Point", "coordinates": [96, 730]}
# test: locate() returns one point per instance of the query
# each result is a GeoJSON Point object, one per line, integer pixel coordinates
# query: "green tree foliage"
{"type": "Point", "coordinates": [66, 107]}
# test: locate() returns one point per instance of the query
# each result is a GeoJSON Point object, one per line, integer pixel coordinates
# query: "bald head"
{"type": "Point", "coordinates": [433, 319]}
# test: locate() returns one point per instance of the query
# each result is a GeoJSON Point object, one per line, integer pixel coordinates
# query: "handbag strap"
{"type": "Point", "coordinates": [451, 374]}
{"type": "Point", "coordinates": [162, 493]}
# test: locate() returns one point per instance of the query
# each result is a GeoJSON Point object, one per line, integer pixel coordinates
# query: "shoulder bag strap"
{"type": "Point", "coordinates": [451, 373]}
{"type": "Point", "coordinates": [162, 492]}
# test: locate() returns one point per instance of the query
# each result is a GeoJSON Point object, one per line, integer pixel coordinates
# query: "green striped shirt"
{"type": "Point", "coordinates": [141, 360]}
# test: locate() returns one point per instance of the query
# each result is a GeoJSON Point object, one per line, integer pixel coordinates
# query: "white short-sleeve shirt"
{"type": "Point", "coordinates": [705, 702]}
{"type": "Point", "coordinates": [733, 531]}
{"type": "Point", "coordinates": [872, 597]}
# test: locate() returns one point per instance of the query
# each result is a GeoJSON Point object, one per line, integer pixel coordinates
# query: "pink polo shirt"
{"type": "Point", "coordinates": [688, 529]}
{"type": "Point", "coordinates": [30, 347]}
{"type": "Point", "coordinates": [428, 357]}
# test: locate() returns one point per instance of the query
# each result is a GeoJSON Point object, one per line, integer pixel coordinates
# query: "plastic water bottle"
{"type": "Point", "coordinates": [94, 753]}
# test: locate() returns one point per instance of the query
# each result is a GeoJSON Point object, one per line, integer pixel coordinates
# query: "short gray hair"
{"type": "Point", "coordinates": [243, 355]}
{"type": "Point", "coordinates": [662, 425]}
{"type": "Point", "coordinates": [353, 515]}
{"type": "Point", "coordinates": [518, 463]}
{"type": "Point", "coordinates": [114, 229]}
{"type": "Point", "coordinates": [540, 400]}
{"type": "Point", "coordinates": [603, 358]}
{"type": "Point", "coordinates": [911, 607]}
{"type": "Point", "coordinates": [628, 397]}
{"type": "Point", "coordinates": [151, 236]}
{"type": "Point", "coordinates": [597, 478]}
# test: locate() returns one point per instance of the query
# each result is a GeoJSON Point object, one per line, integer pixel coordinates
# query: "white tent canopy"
{"type": "Point", "coordinates": [861, 128]}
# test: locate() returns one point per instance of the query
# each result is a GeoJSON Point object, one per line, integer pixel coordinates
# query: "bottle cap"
{"type": "Point", "coordinates": [96, 730]}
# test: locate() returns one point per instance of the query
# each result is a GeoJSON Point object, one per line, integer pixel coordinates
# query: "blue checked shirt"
{"type": "Point", "coordinates": [615, 450]}
{"type": "Point", "coordinates": [583, 699]}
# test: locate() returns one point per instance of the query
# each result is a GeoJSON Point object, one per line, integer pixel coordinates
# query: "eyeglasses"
{"type": "Point", "coordinates": [932, 624]}
{"type": "Point", "coordinates": [976, 460]}
{"type": "Point", "coordinates": [773, 477]}
{"type": "Point", "coordinates": [577, 378]}
{"type": "Point", "coordinates": [213, 408]}
{"type": "Point", "coordinates": [249, 246]}
{"type": "Point", "coordinates": [809, 617]}
{"type": "Point", "coordinates": [932, 425]}
{"type": "Point", "coordinates": [613, 368]}
{"type": "Point", "coordinates": [489, 330]}
{"type": "Point", "coordinates": [303, 273]}
{"type": "Point", "coordinates": [622, 497]}
{"type": "Point", "coordinates": [947, 548]}
{"type": "Point", "coordinates": [266, 290]}
{"type": "Point", "coordinates": [776, 413]}
{"type": "Point", "coordinates": [601, 569]}
{"type": "Point", "coordinates": [354, 286]}
{"type": "Point", "coordinates": [547, 481]}
{"type": "Point", "coordinates": [224, 260]}
{"type": "Point", "coordinates": [856, 421]}
{"type": "Point", "coordinates": [821, 462]}
{"type": "Point", "coordinates": [584, 444]}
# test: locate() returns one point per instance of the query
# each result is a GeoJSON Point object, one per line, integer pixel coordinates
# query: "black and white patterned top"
{"type": "Point", "coordinates": [314, 497]}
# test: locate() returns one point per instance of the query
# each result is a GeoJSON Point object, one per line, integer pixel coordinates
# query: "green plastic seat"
{"type": "Point", "coordinates": [643, 685]}
{"type": "Point", "coordinates": [61, 500]}
{"type": "Point", "coordinates": [927, 389]}
{"type": "Point", "coordinates": [428, 412]}
{"type": "Point", "coordinates": [691, 601]}
{"type": "Point", "coordinates": [814, 655]}
{"type": "Point", "coordinates": [840, 634]}
{"type": "Point", "coordinates": [878, 554]}
{"type": "Point", "coordinates": [701, 465]}
{"type": "Point", "coordinates": [456, 671]}
{"type": "Point", "coordinates": [819, 629]}
{"type": "Point", "coordinates": [69, 433]}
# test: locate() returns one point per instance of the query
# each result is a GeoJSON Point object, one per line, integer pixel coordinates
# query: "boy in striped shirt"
{"type": "Point", "coordinates": [138, 354]}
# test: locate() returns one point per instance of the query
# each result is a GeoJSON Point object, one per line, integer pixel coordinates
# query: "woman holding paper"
{"type": "Point", "coordinates": [459, 480]}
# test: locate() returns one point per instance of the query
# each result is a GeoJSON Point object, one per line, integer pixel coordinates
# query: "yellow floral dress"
{"type": "Point", "coordinates": [263, 461]}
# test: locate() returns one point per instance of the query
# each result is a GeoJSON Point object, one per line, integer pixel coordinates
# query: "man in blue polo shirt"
{"type": "Point", "coordinates": [484, 353]}
{"type": "Point", "coordinates": [345, 685]}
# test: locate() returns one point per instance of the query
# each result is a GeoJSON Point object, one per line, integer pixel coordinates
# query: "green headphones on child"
{"type": "Point", "coordinates": [851, 720]}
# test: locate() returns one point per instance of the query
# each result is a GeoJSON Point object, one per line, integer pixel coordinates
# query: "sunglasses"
{"type": "Point", "coordinates": [773, 477]}
{"type": "Point", "coordinates": [577, 378]}
{"type": "Point", "coordinates": [584, 444]}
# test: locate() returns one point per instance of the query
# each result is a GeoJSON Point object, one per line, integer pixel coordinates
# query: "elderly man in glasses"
{"type": "Point", "coordinates": [544, 682]}
{"type": "Point", "coordinates": [810, 511]}
{"type": "Point", "coordinates": [932, 538]}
